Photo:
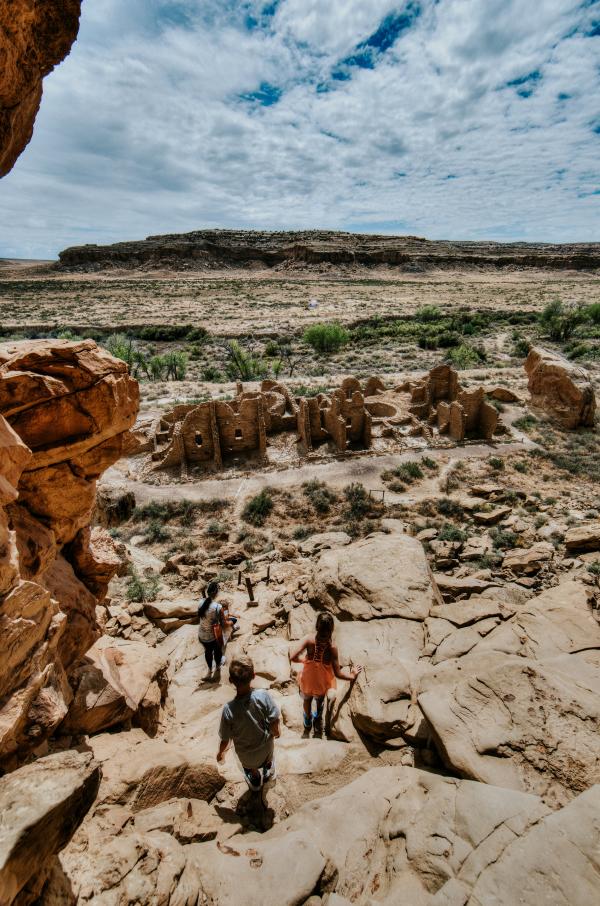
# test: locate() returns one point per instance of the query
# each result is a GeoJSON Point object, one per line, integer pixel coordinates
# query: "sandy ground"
{"type": "Point", "coordinates": [266, 302]}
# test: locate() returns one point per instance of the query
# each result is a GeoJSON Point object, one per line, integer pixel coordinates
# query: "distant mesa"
{"type": "Point", "coordinates": [222, 249]}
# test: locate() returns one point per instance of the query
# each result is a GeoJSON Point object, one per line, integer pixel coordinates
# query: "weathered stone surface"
{"type": "Point", "coordinates": [522, 724]}
{"type": "Point", "coordinates": [503, 394]}
{"type": "Point", "coordinates": [34, 37]}
{"type": "Point", "coordinates": [112, 684]}
{"type": "Point", "coordinates": [453, 587]}
{"type": "Point", "coordinates": [380, 576]}
{"type": "Point", "coordinates": [530, 560]}
{"type": "Point", "coordinates": [323, 541]}
{"type": "Point", "coordinates": [584, 537]}
{"type": "Point", "coordinates": [560, 388]}
{"type": "Point", "coordinates": [114, 505]}
{"type": "Point", "coordinates": [41, 806]}
{"type": "Point", "coordinates": [140, 772]}
{"type": "Point", "coordinates": [72, 403]}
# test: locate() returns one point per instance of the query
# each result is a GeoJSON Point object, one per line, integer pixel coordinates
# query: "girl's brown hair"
{"type": "Point", "coordinates": [324, 626]}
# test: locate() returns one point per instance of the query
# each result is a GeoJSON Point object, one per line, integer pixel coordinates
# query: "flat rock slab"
{"type": "Point", "coordinates": [583, 537]}
{"type": "Point", "coordinates": [323, 541]}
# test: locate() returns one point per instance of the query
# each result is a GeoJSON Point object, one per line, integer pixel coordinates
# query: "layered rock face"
{"type": "Point", "coordinates": [560, 388]}
{"type": "Point", "coordinates": [243, 248]}
{"type": "Point", "coordinates": [35, 35]}
{"type": "Point", "coordinates": [65, 413]}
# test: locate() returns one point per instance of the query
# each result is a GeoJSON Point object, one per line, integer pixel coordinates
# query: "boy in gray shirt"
{"type": "Point", "coordinates": [251, 721]}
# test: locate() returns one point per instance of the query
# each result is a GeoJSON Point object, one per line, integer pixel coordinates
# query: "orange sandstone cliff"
{"type": "Point", "coordinates": [65, 413]}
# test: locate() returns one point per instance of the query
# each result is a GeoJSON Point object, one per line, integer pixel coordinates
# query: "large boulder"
{"type": "Point", "coordinates": [65, 412]}
{"type": "Point", "coordinates": [118, 680]}
{"type": "Point", "coordinates": [41, 806]}
{"type": "Point", "coordinates": [560, 388]}
{"type": "Point", "coordinates": [379, 576]}
{"type": "Point", "coordinates": [523, 724]}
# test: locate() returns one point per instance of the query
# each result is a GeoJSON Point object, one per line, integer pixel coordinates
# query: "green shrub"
{"type": "Point", "coordinates": [326, 337]}
{"type": "Point", "coordinates": [156, 532]}
{"type": "Point", "coordinates": [357, 500]}
{"type": "Point", "coordinates": [429, 463]}
{"type": "Point", "coordinates": [560, 322]}
{"type": "Point", "coordinates": [320, 496]}
{"type": "Point", "coordinates": [428, 313]}
{"type": "Point", "coordinates": [503, 539]}
{"type": "Point", "coordinates": [525, 422]}
{"type": "Point", "coordinates": [406, 472]}
{"type": "Point", "coordinates": [496, 463]}
{"type": "Point", "coordinates": [449, 532]}
{"type": "Point", "coordinates": [594, 568]}
{"type": "Point", "coordinates": [301, 532]}
{"type": "Point", "coordinates": [521, 346]}
{"type": "Point", "coordinates": [448, 507]}
{"type": "Point", "coordinates": [465, 356]}
{"type": "Point", "coordinates": [213, 374]}
{"type": "Point", "coordinates": [258, 508]}
{"type": "Point", "coordinates": [139, 589]}
{"type": "Point", "coordinates": [242, 365]}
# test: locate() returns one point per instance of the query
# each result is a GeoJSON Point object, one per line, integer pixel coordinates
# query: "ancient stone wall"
{"type": "Point", "coordinates": [214, 430]}
{"type": "Point", "coordinates": [65, 413]}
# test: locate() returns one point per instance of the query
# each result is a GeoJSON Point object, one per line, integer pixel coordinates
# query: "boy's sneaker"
{"type": "Point", "coordinates": [223, 661]}
{"type": "Point", "coordinates": [269, 772]}
{"type": "Point", "coordinates": [254, 779]}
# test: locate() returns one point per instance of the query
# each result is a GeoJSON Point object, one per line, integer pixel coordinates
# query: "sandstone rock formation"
{"type": "Point", "coordinates": [560, 388]}
{"type": "Point", "coordinates": [240, 248]}
{"type": "Point", "coordinates": [41, 806]}
{"type": "Point", "coordinates": [65, 411]}
{"type": "Point", "coordinates": [35, 35]}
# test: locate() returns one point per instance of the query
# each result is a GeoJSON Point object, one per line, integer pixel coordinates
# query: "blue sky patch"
{"type": "Point", "coordinates": [266, 95]}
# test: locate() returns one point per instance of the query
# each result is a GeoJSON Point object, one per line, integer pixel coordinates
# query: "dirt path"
{"type": "Point", "coordinates": [337, 474]}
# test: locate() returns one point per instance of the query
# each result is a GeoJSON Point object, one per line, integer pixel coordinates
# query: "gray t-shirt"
{"type": "Point", "coordinates": [246, 720]}
{"type": "Point", "coordinates": [212, 615]}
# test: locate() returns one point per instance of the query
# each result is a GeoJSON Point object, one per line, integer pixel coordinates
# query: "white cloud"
{"type": "Point", "coordinates": [149, 126]}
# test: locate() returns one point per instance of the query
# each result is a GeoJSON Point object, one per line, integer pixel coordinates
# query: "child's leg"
{"type": "Point", "coordinates": [318, 714]}
{"type": "Point", "coordinates": [208, 654]}
{"type": "Point", "coordinates": [307, 713]}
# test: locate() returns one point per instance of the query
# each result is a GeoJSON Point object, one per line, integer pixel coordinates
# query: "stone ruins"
{"type": "Point", "coordinates": [354, 416]}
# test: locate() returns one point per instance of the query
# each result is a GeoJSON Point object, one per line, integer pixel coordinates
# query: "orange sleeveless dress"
{"type": "Point", "coordinates": [317, 675]}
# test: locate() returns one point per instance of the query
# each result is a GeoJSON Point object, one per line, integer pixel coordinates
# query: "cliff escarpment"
{"type": "Point", "coordinates": [216, 249]}
{"type": "Point", "coordinates": [65, 413]}
{"type": "Point", "coordinates": [35, 35]}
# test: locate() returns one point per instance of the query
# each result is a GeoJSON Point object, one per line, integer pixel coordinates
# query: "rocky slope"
{"type": "Point", "coordinates": [231, 248]}
{"type": "Point", "coordinates": [35, 35]}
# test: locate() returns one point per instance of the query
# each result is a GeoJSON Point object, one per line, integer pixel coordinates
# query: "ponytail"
{"type": "Point", "coordinates": [211, 593]}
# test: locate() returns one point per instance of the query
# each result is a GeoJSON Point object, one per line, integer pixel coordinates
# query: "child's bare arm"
{"type": "Point", "coordinates": [338, 670]}
{"type": "Point", "coordinates": [275, 728]}
{"type": "Point", "coordinates": [297, 649]}
{"type": "Point", "coordinates": [222, 749]}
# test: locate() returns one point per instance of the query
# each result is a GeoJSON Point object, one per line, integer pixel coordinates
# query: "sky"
{"type": "Point", "coordinates": [456, 119]}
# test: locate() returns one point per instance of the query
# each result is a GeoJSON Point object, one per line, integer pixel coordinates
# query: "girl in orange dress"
{"type": "Point", "coordinates": [320, 669]}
